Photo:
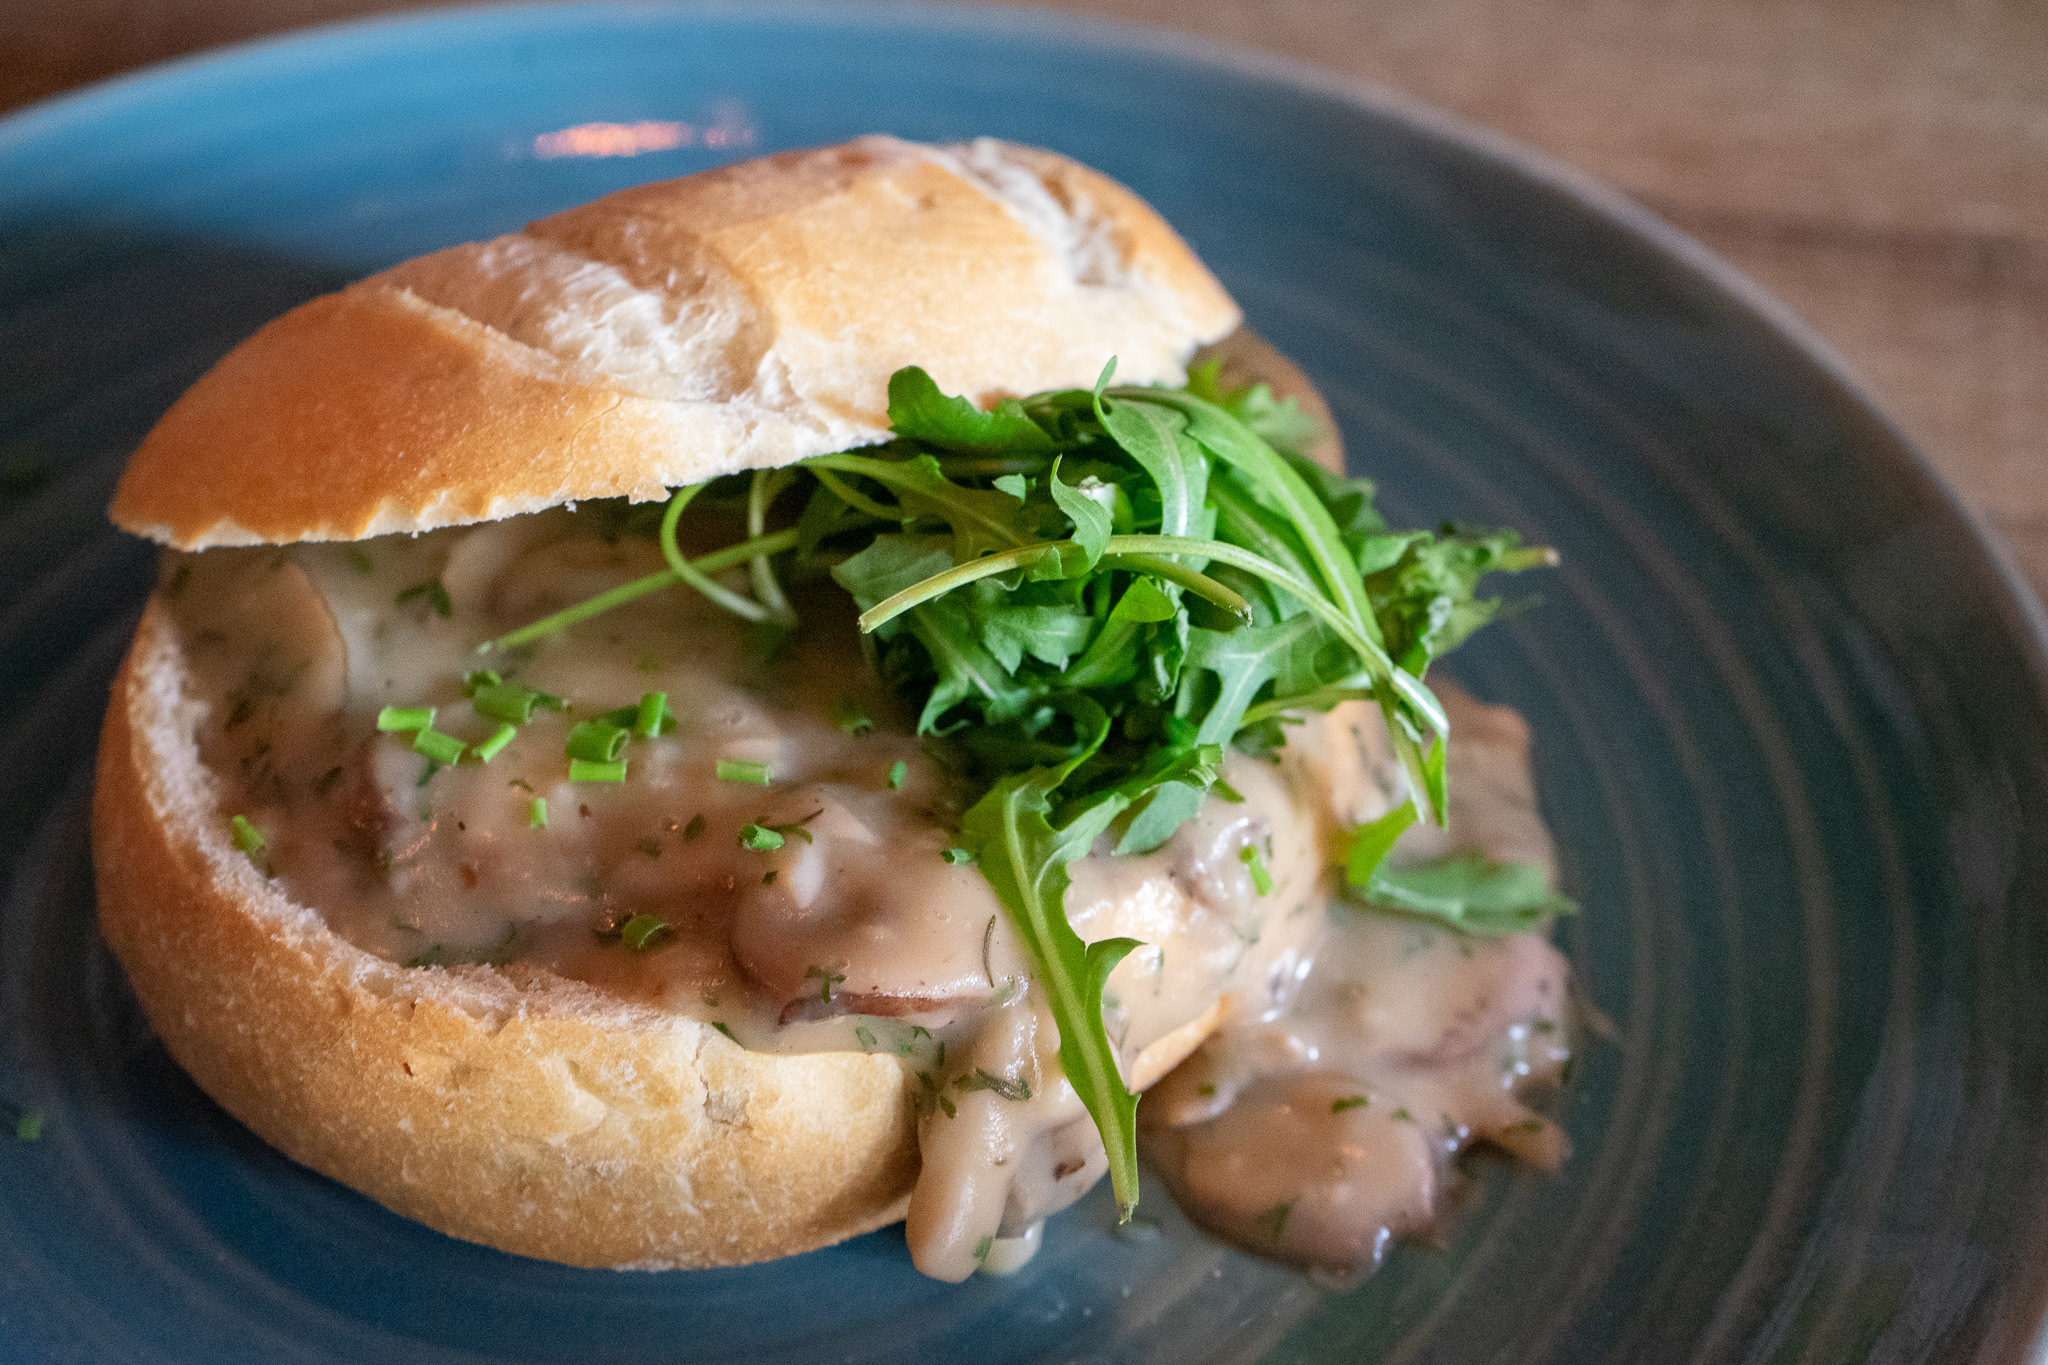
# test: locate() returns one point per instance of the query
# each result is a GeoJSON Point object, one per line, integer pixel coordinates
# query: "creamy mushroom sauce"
{"type": "Point", "coordinates": [858, 933]}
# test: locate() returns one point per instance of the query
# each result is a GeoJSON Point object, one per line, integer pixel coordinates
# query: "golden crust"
{"type": "Point", "coordinates": [741, 318]}
{"type": "Point", "coordinates": [531, 1114]}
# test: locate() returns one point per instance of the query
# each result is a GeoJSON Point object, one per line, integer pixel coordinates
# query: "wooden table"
{"type": "Point", "coordinates": [1881, 165]}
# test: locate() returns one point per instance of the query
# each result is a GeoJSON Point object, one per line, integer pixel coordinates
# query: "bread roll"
{"type": "Point", "coordinates": [745, 317]}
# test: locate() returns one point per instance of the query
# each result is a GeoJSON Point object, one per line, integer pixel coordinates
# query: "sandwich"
{"type": "Point", "coordinates": [781, 701]}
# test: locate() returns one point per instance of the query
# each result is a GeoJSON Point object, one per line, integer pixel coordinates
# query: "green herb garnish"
{"type": "Point", "coordinates": [509, 701]}
{"type": "Point", "coordinates": [1091, 594]}
{"type": "Point", "coordinates": [247, 837]}
{"type": "Point", "coordinates": [584, 770]}
{"type": "Point", "coordinates": [826, 979]}
{"type": "Point", "coordinates": [491, 747]}
{"type": "Point", "coordinates": [654, 717]}
{"type": "Point", "coordinates": [694, 829]}
{"type": "Point", "coordinates": [760, 838]}
{"type": "Point", "coordinates": [957, 856]}
{"type": "Point", "coordinates": [1349, 1102]}
{"type": "Point", "coordinates": [1262, 880]}
{"type": "Point", "coordinates": [644, 931]}
{"type": "Point", "coordinates": [1470, 892]}
{"type": "Point", "coordinates": [849, 717]}
{"type": "Point", "coordinates": [897, 772]}
{"type": "Point", "coordinates": [597, 741]}
{"type": "Point", "coordinates": [432, 593]}
{"type": "Point", "coordinates": [29, 1126]}
{"type": "Point", "coordinates": [402, 719]}
{"type": "Point", "coordinates": [438, 748]}
{"type": "Point", "coordinates": [537, 813]}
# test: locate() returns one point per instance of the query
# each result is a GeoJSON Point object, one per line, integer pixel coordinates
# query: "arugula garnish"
{"type": "Point", "coordinates": [1090, 593]}
{"type": "Point", "coordinates": [1470, 892]}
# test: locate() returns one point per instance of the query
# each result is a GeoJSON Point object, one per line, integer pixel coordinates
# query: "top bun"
{"type": "Point", "coordinates": [741, 318]}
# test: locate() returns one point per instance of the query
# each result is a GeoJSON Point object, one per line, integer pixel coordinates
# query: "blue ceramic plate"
{"type": "Point", "coordinates": [1793, 716]}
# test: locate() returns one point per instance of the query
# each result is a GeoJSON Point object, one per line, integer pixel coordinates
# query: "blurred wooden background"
{"type": "Point", "coordinates": [1881, 165]}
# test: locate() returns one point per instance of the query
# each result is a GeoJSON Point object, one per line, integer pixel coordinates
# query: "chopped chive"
{"type": "Point", "coordinates": [983, 1247]}
{"type": "Point", "coordinates": [1403, 1115]}
{"type": "Point", "coordinates": [247, 837]}
{"type": "Point", "coordinates": [849, 716]}
{"type": "Point", "coordinates": [719, 1024]}
{"type": "Point", "coordinates": [537, 813]}
{"type": "Point", "coordinates": [958, 856]}
{"type": "Point", "coordinates": [897, 772]}
{"type": "Point", "coordinates": [1262, 880]}
{"type": "Point", "coordinates": [510, 701]}
{"type": "Point", "coordinates": [744, 770]}
{"type": "Point", "coordinates": [437, 746]}
{"type": "Point", "coordinates": [760, 838]}
{"type": "Point", "coordinates": [583, 770]}
{"type": "Point", "coordinates": [597, 741]}
{"type": "Point", "coordinates": [865, 1038]}
{"type": "Point", "coordinates": [29, 1127]}
{"type": "Point", "coordinates": [694, 828]}
{"type": "Point", "coordinates": [491, 747]}
{"type": "Point", "coordinates": [655, 718]}
{"type": "Point", "coordinates": [768, 877]}
{"type": "Point", "coordinates": [477, 679]}
{"type": "Point", "coordinates": [643, 931]}
{"type": "Point", "coordinates": [432, 593]}
{"type": "Point", "coordinates": [393, 719]}
{"type": "Point", "coordinates": [1227, 792]}
{"type": "Point", "coordinates": [522, 784]}
{"type": "Point", "coordinates": [1349, 1102]}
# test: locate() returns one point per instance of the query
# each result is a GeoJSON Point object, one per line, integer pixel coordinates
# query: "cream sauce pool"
{"type": "Point", "coordinates": [1313, 1124]}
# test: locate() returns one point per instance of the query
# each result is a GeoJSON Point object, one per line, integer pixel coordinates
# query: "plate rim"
{"type": "Point", "coordinates": [1774, 324]}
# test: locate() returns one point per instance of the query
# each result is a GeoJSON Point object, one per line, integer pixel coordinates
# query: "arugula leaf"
{"type": "Point", "coordinates": [1090, 518]}
{"type": "Point", "coordinates": [1471, 892]}
{"type": "Point", "coordinates": [919, 411]}
{"type": "Point", "coordinates": [1371, 842]}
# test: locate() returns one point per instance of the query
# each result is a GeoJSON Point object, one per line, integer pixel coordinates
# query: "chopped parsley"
{"type": "Point", "coordinates": [826, 979]}
{"type": "Point", "coordinates": [760, 838]}
{"type": "Point", "coordinates": [432, 593]}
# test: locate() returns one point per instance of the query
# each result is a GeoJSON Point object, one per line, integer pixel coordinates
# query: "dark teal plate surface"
{"type": "Point", "coordinates": [1792, 715]}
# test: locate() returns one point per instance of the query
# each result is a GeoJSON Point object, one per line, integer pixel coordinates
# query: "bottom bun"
{"type": "Point", "coordinates": [527, 1112]}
